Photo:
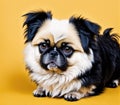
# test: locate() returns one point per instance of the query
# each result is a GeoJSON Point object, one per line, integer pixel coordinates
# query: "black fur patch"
{"type": "Point", "coordinates": [106, 63]}
{"type": "Point", "coordinates": [87, 31]}
{"type": "Point", "coordinates": [110, 55]}
{"type": "Point", "coordinates": [33, 21]}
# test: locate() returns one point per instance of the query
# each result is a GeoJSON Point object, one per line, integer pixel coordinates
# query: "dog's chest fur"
{"type": "Point", "coordinates": [56, 84]}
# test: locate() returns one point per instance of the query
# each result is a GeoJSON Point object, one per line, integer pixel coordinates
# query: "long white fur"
{"type": "Point", "coordinates": [60, 83]}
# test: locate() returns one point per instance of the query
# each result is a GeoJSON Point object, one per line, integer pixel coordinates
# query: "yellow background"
{"type": "Point", "coordinates": [15, 85]}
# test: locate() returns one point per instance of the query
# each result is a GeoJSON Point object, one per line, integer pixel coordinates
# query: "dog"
{"type": "Point", "coordinates": [70, 58]}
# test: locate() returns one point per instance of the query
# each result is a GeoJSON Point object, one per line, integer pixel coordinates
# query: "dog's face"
{"type": "Point", "coordinates": [59, 46]}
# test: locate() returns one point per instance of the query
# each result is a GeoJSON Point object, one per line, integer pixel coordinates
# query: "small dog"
{"type": "Point", "coordinates": [69, 58]}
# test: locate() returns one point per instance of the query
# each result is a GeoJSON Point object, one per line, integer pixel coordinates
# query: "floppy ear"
{"type": "Point", "coordinates": [87, 31]}
{"type": "Point", "coordinates": [33, 21]}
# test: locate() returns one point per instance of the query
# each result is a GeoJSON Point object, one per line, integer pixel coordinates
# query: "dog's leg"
{"type": "Point", "coordinates": [39, 92]}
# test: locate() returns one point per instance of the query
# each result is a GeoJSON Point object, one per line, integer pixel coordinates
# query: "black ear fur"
{"type": "Point", "coordinates": [33, 21]}
{"type": "Point", "coordinates": [87, 31]}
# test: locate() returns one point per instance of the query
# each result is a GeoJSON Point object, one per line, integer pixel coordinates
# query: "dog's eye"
{"type": "Point", "coordinates": [67, 50]}
{"type": "Point", "coordinates": [43, 47]}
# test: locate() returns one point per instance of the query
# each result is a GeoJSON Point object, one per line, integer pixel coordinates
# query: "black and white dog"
{"type": "Point", "coordinates": [69, 58]}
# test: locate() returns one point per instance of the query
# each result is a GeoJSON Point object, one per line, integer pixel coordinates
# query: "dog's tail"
{"type": "Point", "coordinates": [115, 37]}
{"type": "Point", "coordinates": [107, 31]}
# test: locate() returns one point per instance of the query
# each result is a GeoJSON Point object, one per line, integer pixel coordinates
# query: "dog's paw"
{"type": "Point", "coordinates": [73, 96]}
{"type": "Point", "coordinates": [39, 93]}
{"type": "Point", "coordinates": [113, 84]}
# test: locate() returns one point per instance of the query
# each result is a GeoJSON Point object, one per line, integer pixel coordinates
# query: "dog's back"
{"type": "Point", "coordinates": [110, 58]}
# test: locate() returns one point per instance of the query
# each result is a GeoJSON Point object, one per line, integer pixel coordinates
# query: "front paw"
{"type": "Point", "coordinates": [73, 96]}
{"type": "Point", "coordinates": [39, 93]}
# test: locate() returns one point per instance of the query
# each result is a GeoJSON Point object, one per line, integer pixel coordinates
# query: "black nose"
{"type": "Point", "coordinates": [53, 53]}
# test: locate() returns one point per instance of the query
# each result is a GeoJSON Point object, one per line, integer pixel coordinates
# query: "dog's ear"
{"type": "Point", "coordinates": [87, 31]}
{"type": "Point", "coordinates": [33, 21]}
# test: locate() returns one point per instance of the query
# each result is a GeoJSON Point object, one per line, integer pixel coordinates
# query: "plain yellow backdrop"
{"type": "Point", "coordinates": [15, 86]}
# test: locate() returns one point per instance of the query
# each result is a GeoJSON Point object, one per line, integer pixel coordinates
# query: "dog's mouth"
{"type": "Point", "coordinates": [52, 66]}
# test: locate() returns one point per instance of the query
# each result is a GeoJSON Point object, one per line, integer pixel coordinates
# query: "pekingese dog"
{"type": "Point", "coordinates": [69, 58]}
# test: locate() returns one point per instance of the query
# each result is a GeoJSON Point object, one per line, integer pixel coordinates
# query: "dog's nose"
{"type": "Point", "coordinates": [53, 53]}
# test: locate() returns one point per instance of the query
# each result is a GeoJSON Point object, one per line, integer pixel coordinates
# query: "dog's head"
{"type": "Point", "coordinates": [59, 45]}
